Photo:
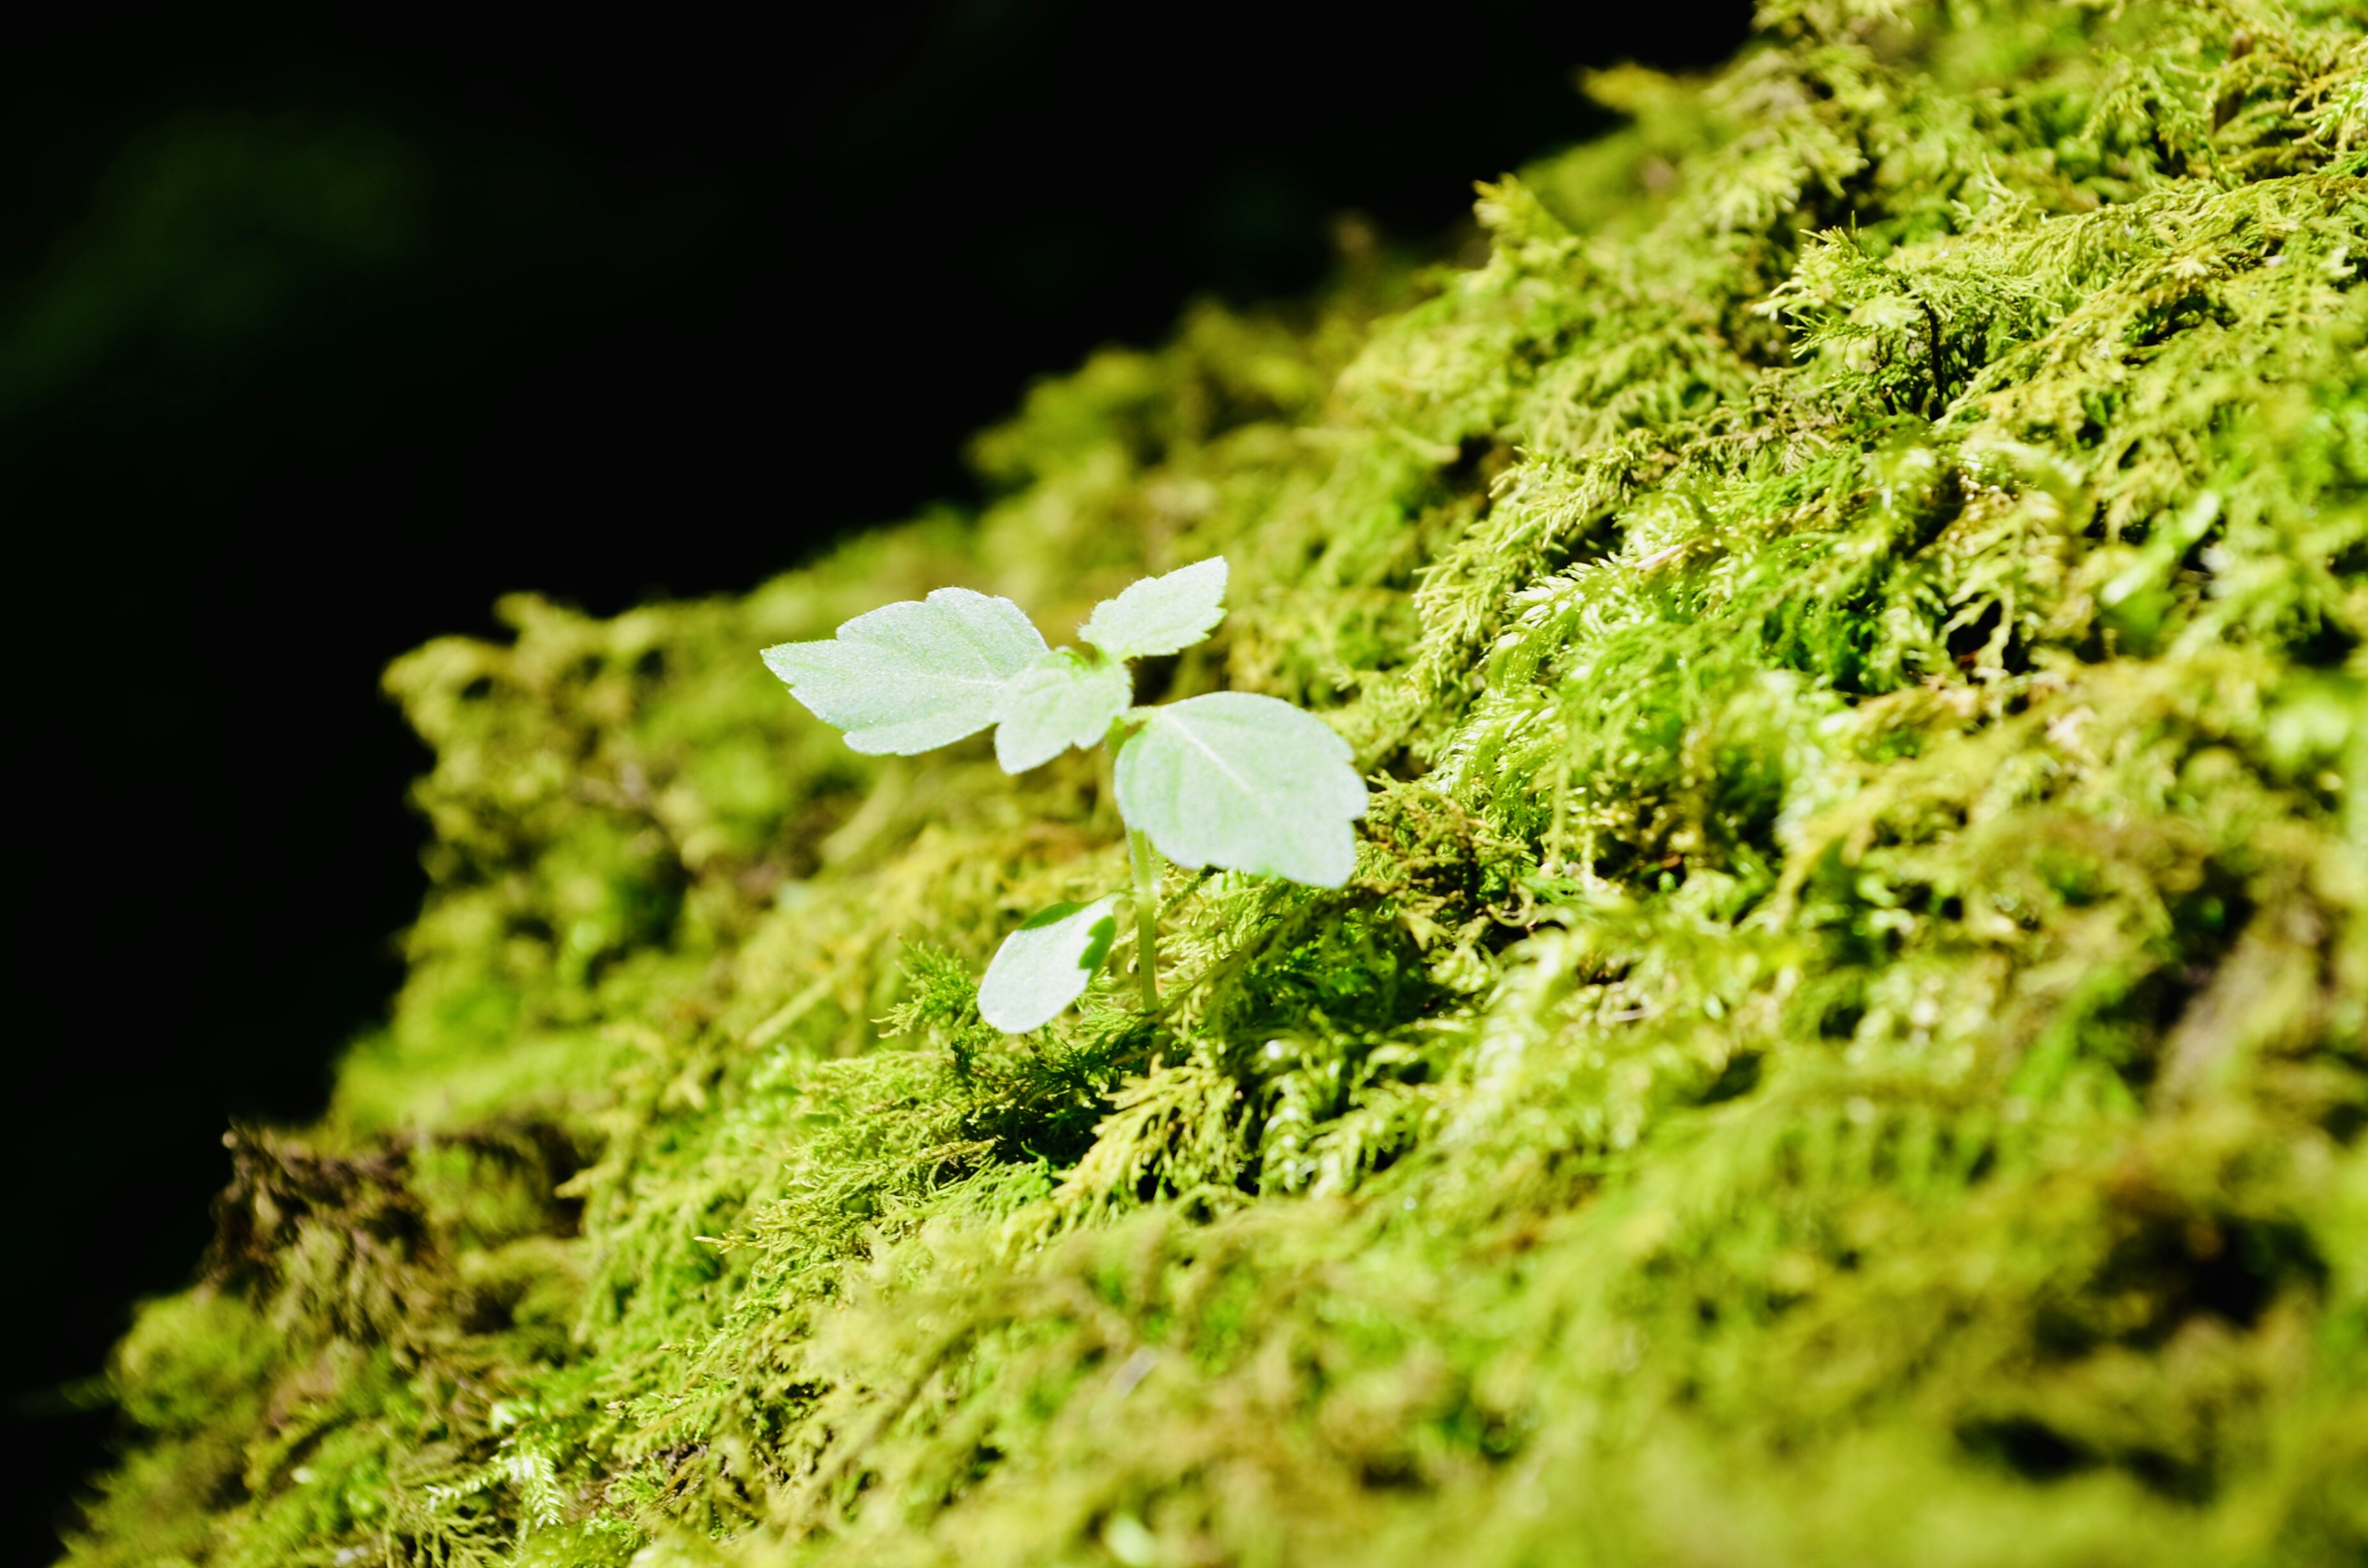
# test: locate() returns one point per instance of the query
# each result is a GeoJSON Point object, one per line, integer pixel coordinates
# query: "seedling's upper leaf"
{"type": "Point", "coordinates": [1243, 782]}
{"type": "Point", "coordinates": [1044, 966]}
{"type": "Point", "coordinates": [912, 675]}
{"type": "Point", "coordinates": [1160, 614]}
{"type": "Point", "coordinates": [1059, 702]}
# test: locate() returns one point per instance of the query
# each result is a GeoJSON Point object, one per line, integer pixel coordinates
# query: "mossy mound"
{"type": "Point", "coordinates": [1845, 1043]}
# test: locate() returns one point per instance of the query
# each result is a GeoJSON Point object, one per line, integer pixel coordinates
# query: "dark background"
{"type": "Point", "coordinates": [319, 332]}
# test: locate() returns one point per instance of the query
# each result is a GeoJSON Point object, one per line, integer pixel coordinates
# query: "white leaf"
{"type": "Point", "coordinates": [1160, 614]}
{"type": "Point", "coordinates": [1044, 966]}
{"type": "Point", "coordinates": [1059, 702]}
{"type": "Point", "coordinates": [912, 675]}
{"type": "Point", "coordinates": [1243, 782]}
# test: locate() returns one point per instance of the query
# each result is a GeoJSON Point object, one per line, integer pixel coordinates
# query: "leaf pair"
{"type": "Point", "coordinates": [912, 676]}
{"type": "Point", "coordinates": [1231, 779]}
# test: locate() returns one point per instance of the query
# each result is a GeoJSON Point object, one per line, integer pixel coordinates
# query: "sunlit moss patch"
{"type": "Point", "coordinates": [1844, 1042]}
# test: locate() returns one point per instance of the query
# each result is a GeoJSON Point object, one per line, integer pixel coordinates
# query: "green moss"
{"type": "Point", "coordinates": [1845, 1042]}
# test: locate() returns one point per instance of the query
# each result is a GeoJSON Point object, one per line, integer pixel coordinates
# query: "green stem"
{"type": "Point", "coordinates": [1147, 917]}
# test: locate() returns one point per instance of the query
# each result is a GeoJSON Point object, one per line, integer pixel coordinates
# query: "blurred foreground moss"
{"type": "Point", "coordinates": [1845, 1043]}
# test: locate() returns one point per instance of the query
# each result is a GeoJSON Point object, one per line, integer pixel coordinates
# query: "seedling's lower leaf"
{"type": "Point", "coordinates": [1044, 965]}
{"type": "Point", "coordinates": [1059, 702]}
{"type": "Point", "coordinates": [911, 676]}
{"type": "Point", "coordinates": [1243, 782]}
{"type": "Point", "coordinates": [1160, 614]}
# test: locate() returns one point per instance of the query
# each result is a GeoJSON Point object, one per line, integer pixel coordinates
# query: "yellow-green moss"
{"type": "Point", "coordinates": [1845, 1043]}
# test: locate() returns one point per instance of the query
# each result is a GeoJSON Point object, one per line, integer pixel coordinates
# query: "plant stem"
{"type": "Point", "coordinates": [1146, 915]}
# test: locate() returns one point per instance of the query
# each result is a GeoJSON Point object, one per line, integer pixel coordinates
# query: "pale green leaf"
{"type": "Point", "coordinates": [1243, 782]}
{"type": "Point", "coordinates": [1160, 614]}
{"type": "Point", "coordinates": [1044, 966]}
{"type": "Point", "coordinates": [912, 675]}
{"type": "Point", "coordinates": [1059, 702]}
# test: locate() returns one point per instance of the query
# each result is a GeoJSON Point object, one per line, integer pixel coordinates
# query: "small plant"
{"type": "Point", "coordinates": [1241, 782]}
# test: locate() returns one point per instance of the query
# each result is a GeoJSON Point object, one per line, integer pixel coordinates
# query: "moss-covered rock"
{"type": "Point", "coordinates": [1845, 1042]}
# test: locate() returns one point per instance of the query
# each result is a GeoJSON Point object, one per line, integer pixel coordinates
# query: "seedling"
{"type": "Point", "coordinates": [1230, 780]}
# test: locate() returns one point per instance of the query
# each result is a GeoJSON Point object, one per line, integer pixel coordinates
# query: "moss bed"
{"type": "Point", "coordinates": [1844, 1043]}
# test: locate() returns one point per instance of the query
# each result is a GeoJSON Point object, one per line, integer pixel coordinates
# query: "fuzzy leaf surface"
{"type": "Point", "coordinates": [1245, 782]}
{"type": "Point", "coordinates": [1160, 614]}
{"type": "Point", "coordinates": [912, 675]}
{"type": "Point", "coordinates": [1044, 965]}
{"type": "Point", "coordinates": [1059, 702]}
